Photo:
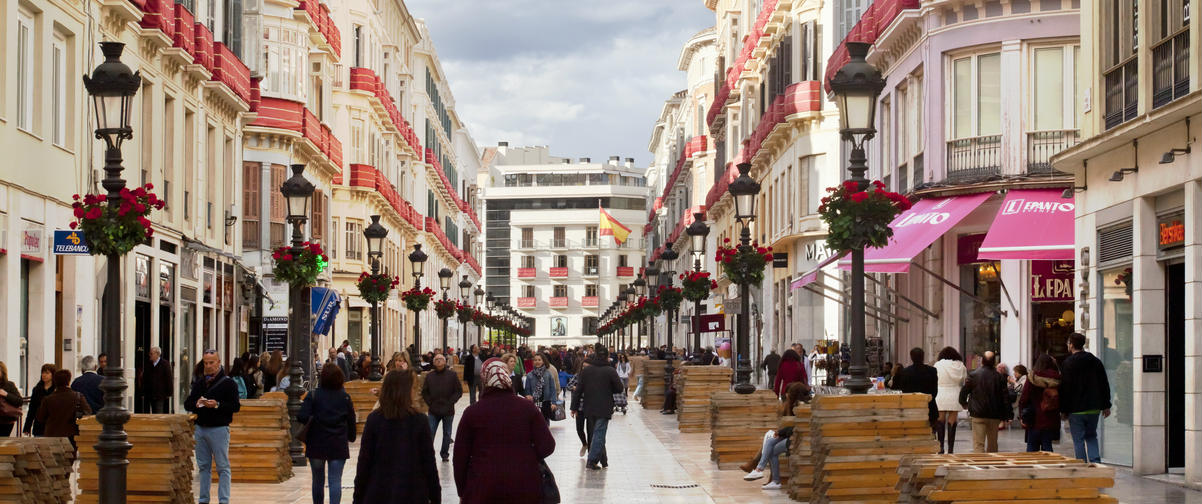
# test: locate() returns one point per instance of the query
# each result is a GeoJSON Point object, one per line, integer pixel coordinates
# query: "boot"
{"type": "Point", "coordinates": [939, 432]}
{"type": "Point", "coordinates": [750, 465]}
{"type": "Point", "coordinates": [951, 437]}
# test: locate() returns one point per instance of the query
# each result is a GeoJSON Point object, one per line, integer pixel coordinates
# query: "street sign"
{"type": "Point", "coordinates": [70, 242]}
{"type": "Point", "coordinates": [711, 322]}
{"type": "Point", "coordinates": [275, 334]}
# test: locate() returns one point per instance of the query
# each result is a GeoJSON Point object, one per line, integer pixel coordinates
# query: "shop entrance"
{"type": "Point", "coordinates": [1053, 322]}
{"type": "Point", "coordinates": [142, 344]}
{"type": "Point", "coordinates": [1174, 291]}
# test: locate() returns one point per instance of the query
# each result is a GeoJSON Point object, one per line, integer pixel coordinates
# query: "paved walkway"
{"type": "Point", "coordinates": [643, 469]}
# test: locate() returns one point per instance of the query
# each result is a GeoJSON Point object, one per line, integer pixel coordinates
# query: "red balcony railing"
{"type": "Point", "coordinates": [203, 55]}
{"type": "Point", "coordinates": [625, 271]}
{"type": "Point", "coordinates": [365, 79]}
{"type": "Point", "coordinates": [185, 35]}
{"type": "Point", "coordinates": [559, 272]}
{"type": "Point", "coordinates": [740, 63]}
{"type": "Point", "coordinates": [159, 15]}
{"type": "Point", "coordinates": [527, 302]}
{"type": "Point", "coordinates": [589, 301]}
{"type": "Point", "coordinates": [873, 22]}
{"type": "Point", "coordinates": [366, 176]}
{"type": "Point", "coordinates": [256, 94]}
{"type": "Point", "coordinates": [319, 15]}
{"type": "Point", "coordinates": [293, 116]}
{"type": "Point", "coordinates": [695, 145]}
{"type": "Point", "coordinates": [527, 273]}
{"type": "Point", "coordinates": [471, 261]}
{"type": "Point", "coordinates": [433, 228]}
{"type": "Point", "coordinates": [559, 302]}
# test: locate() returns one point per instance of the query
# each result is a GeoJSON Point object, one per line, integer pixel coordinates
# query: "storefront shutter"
{"type": "Point", "coordinates": [1114, 244]}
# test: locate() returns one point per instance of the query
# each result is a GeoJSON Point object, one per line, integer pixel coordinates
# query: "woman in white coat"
{"type": "Point", "coordinates": [952, 373]}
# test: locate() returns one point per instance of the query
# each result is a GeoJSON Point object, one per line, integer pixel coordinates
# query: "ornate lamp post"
{"type": "Point", "coordinates": [490, 302]}
{"type": "Point", "coordinates": [697, 232]}
{"type": "Point", "coordinates": [744, 190]}
{"type": "Point", "coordinates": [650, 277]}
{"type": "Point", "coordinates": [418, 259]}
{"type": "Point", "coordinates": [465, 289]}
{"type": "Point", "coordinates": [665, 279]}
{"type": "Point", "coordinates": [444, 281]}
{"type": "Point", "coordinates": [632, 295]}
{"type": "Point", "coordinates": [112, 87]}
{"type": "Point", "coordinates": [375, 234]}
{"type": "Point", "coordinates": [856, 87]}
{"type": "Point", "coordinates": [478, 302]}
{"type": "Point", "coordinates": [297, 191]}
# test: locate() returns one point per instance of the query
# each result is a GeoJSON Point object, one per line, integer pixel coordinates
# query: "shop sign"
{"type": "Point", "coordinates": [1170, 232]}
{"type": "Point", "coordinates": [142, 277]}
{"type": "Point", "coordinates": [166, 282]}
{"type": "Point", "coordinates": [1052, 281]}
{"type": "Point", "coordinates": [780, 260]}
{"type": "Point", "coordinates": [967, 248]}
{"type": "Point", "coordinates": [275, 333]}
{"type": "Point", "coordinates": [70, 242]}
{"type": "Point", "coordinates": [31, 243]}
{"type": "Point", "coordinates": [711, 322]}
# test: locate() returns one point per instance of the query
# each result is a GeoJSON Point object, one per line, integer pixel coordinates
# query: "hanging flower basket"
{"type": "Point", "coordinates": [300, 268]}
{"type": "Point", "coordinates": [417, 300]}
{"type": "Point", "coordinates": [696, 286]}
{"type": "Point", "coordinates": [744, 265]}
{"type": "Point", "coordinates": [444, 308]}
{"type": "Point", "coordinates": [375, 288]}
{"type": "Point", "coordinates": [116, 230]}
{"type": "Point", "coordinates": [857, 218]}
{"type": "Point", "coordinates": [480, 318]}
{"type": "Point", "coordinates": [465, 312]}
{"type": "Point", "coordinates": [670, 297]}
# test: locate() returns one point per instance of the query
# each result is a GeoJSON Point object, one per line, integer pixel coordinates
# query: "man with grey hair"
{"type": "Point", "coordinates": [154, 382]}
{"type": "Point", "coordinates": [88, 383]}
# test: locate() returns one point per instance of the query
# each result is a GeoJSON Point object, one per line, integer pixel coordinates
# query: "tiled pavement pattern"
{"type": "Point", "coordinates": [640, 457]}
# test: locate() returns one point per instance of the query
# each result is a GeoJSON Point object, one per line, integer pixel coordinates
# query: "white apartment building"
{"type": "Point", "coordinates": [545, 256]}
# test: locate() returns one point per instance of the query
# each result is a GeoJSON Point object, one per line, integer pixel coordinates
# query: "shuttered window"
{"type": "Point", "coordinates": [319, 215]}
{"type": "Point", "coordinates": [279, 209]}
{"type": "Point", "coordinates": [1114, 244]}
{"type": "Point", "coordinates": [251, 199]}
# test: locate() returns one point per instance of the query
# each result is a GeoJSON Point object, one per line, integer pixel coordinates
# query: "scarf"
{"type": "Point", "coordinates": [496, 375]}
{"type": "Point", "coordinates": [538, 373]}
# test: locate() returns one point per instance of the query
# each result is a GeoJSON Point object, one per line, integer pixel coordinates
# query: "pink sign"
{"type": "Point", "coordinates": [916, 229]}
{"type": "Point", "coordinates": [1052, 281]}
{"type": "Point", "coordinates": [1031, 224]}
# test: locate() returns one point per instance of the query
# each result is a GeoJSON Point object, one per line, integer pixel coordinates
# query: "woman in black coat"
{"type": "Point", "coordinates": [396, 454]}
{"type": "Point", "coordinates": [40, 391]}
{"type": "Point", "coordinates": [330, 415]}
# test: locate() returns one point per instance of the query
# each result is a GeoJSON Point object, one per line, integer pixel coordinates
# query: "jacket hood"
{"type": "Point", "coordinates": [1049, 378]}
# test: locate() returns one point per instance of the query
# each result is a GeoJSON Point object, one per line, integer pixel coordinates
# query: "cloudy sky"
{"type": "Point", "coordinates": [587, 77]}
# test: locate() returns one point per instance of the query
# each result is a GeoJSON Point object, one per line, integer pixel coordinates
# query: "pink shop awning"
{"type": "Point", "coordinates": [916, 229]}
{"type": "Point", "coordinates": [1031, 224]}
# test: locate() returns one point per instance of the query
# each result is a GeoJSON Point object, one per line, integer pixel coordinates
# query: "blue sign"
{"type": "Point", "coordinates": [325, 304]}
{"type": "Point", "coordinates": [70, 242]}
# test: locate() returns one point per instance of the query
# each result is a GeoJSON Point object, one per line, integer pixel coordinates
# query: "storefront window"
{"type": "Point", "coordinates": [980, 318]}
{"type": "Point", "coordinates": [1115, 349]}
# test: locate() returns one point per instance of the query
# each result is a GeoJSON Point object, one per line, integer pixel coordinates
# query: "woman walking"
{"type": "Point", "coordinates": [40, 391]}
{"type": "Point", "coordinates": [952, 373]}
{"type": "Point", "coordinates": [12, 396]}
{"type": "Point", "coordinates": [623, 369]}
{"type": "Point", "coordinates": [574, 385]}
{"type": "Point", "coordinates": [1040, 404]}
{"type": "Point", "coordinates": [542, 387]}
{"type": "Point", "coordinates": [396, 454]}
{"type": "Point", "coordinates": [790, 371]}
{"type": "Point", "coordinates": [60, 411]}
{"type": "Point", "coordinates": [330, 415]}
{"type": "Point", "coordinates": [271, 370]}
{"type": "Point", "coordinates": [500, 445]}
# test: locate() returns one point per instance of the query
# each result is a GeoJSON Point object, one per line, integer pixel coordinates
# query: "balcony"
{"type": "Point", "coordinates": [527, 273]}
{"type": "Point", "coordinates": [526, 302]}
{"type": "Point", "coordinates": [625, 271]}
{"type": "Point", "coordinates": [591, 271]}
{"type": "Point", "coordinates": [559, 243]}
{"type": "Point", "coordinates": [1042, 145]}
{"type": "Point", "coordinates": [974, 158]}
{"type": "Point", "coordinates": [559, 302]}
{"type": "Point", "coordinates": [525, 244]}
{"type": "Point", "coordinates": [1122, 92]}
{"type": "Point", "coordinates": [1170, 69]}
{"type": "Point", "coordinates": [559, 272]}
{"type": "Point", "coordinates": [589, 302]}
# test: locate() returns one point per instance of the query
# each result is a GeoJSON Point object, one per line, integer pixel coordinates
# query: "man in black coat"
{"type": "Point", "coordinates": [1084, 394]}
{"type": "Point", "coordinates": [596, 384]}
{"type": "Point", "coordinates": [770, 364]}
{"type": "Point", "coordinates": [214, 400]}
{"type": "Point", "coordinates": [987, 399]}
{"type": "Point", "coordinates": [471, 373]}
{"type": "Point", "coordinates": [441, 390]}
{"type": "Point", "coordinates": [88, 383]}
{"type": "Point", "coordinates": [155, 381]}
{"type": "Point", "coordinates": [919, 378]}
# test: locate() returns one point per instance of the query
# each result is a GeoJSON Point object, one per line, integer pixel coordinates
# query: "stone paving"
{"type": "Point", "coordinates": [644, 469]}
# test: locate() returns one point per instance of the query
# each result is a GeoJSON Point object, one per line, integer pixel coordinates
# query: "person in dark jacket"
{"type": "Point", "coordinates": [214, 400]}
{"type": "Point", "coordinates": [11, 395]}
{"type": "Point", "coordinates": [396, 454]}
{"type": "Point", "coordinates": [330, 415]}
{"type": "Point", "coordinates": [58, 411]}
{"type": "Point", "coordinates": [154, 381]}
{"type": "Point", "coordinates": [790, 371]}
{"type": "Point", "coordinates": [770, 364]}
{"type": "Point", "coordinates": [501, 442]}
{"type": "Point", "coordinates": [88, 383]}
{"type": "Point", "coordinates": [987, 398]}
{"type": "Point", "coordinates": [441, 390]}
{"type": "Point", "coordinates": [1041, 423]}
{"type": "Point", "coordinates": [921, 378]}
{"type": "Point", "coordinates": [44, 388]}
{"type": "Point", "coordinates": [597, 384]}
{"type": "Point", "coordinates": [1084, 394]}
{"type": "Point", "coordinates": [472, 363]}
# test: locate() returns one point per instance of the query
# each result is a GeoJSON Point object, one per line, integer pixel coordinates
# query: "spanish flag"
{"type": "Point", "coordinates": [611, 227]}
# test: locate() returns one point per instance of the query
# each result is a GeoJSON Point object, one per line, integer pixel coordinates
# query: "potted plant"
{"type": "Point", "coordinates": [744, 265]}
{"type": "Point", "coordinates": [670, 297]}
{"type": "Point", "coordinates": [465, 312]}
{"type": "Point", "coordinates": [444, 308]}
{"type": "Point", "coordinates": [375, 288]}
{"type": "Point", "coordinates": [858, 218]}
{"type": "Point", "coordinates": [115, 230]}
{"type": "Point", "coordinates": [697, 285]}
{"type": "Point", "coordinates": [417, 300]}
{"type": "Point", "coordinates": [302, 267]}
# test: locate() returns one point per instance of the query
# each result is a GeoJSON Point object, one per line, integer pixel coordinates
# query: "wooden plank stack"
{"type": "Point", "coordinates": [1002, 477]}
{"type": "Point", "coordinates": [160, 461]}
{"type": "Point", "coordinates": [259, 438]}
{"type": "Point", "coordinates": [363, 399]}
{"type": "Point", "coordinates": [653, 384]}
{"type": "Point", "coordinates": [738, 424]}
{"type": "Point", "coordinates": [801, 463]}
{"type": "Point", "coordinates": [858, 443]}
{"type": "Point", "coordinates": [35, 470]}
{"type": "Point", "coordinates": [694, 385]}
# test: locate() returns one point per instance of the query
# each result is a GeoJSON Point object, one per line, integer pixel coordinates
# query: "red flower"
{"type": "Point", "coordinates": [73, 224]}
{"type": "Point", "coordinates": [850, 186]}
{"type": "Point", "coordinates": [94, 213]}
{"type": "Point", "coordinates": [858, 197]}
{"type": "Point", "coordinates": [878, 184]}
{"type": "Point", "coordinates": [287, 257]}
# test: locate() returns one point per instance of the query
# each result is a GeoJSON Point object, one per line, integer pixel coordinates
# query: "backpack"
{"type": "Point", "coordinates": [241, 387]}
{"type": "Point", "coordinates": [1050, 403]}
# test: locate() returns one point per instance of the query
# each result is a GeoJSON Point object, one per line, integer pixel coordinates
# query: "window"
{"type": "Point", "coordinates": [25, 70]}
{"type": "Point", "coordinates": [590, 290]}
{"type": "Point", "coordinates": [358, 45]}
{"type": "Point", "coordinates": [589, 326]}
{"type": "Point", "coordinates": [190, 163]}
{"type": "Point", "coordinates": [168, 147]}
{"type": "Point", "coordinates": [529, 290]}
{"type": "Point", "coordinates": [58, 90]}
{"type": "Point", "coordinates": [560, 237]}
{"type": "Point", "coordinates": [212, 170]}
{"type": "Point", "coordinates": [977, 96]}
{"type": "Point", "coordinates": [561, 291]}
{"type": "Point", "coordinates": [211, 15]}
{"type": "Point", "coordinates": [251, 199]}
{"type": "Point", "coordinates": [590, 264]}
{"type": "Point", "coordinates": [561, 261]}
{"type": "Point", "coordinates": [528, 261]}
{"type": "Point", "coordinates": [318, 223]}
{"type": "Point", "coordinates": [354, 240]}
{"type": "Point", "coordinates": [590, 236]}
{"type": "Point", "coordinates": [527, 238]}
{"type": "Point", "coordinates": [1052, 79]}
{"type": "Point", "coordinates": [622, 261]}
{"type": "Point", "coordinates": [279, 209]}
{"type": "Point", "coordinates": [232, 24]}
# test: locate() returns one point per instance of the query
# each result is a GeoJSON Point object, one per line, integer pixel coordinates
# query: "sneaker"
{"type": "Point", "coordinates": [771, 485]}
{"type": "Point", "coordinates": [754, 475]}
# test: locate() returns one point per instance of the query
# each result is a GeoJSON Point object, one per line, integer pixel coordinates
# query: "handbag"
{"type": "Point", "coordinates": [550, 488]}
{"type": "Point", "coordinates": [559, 412]}
{"type": "Point", "coordinates": [9, 411]}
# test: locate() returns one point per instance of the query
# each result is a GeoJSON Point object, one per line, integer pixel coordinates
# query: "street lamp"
{"type": "Point", "coordinates": [465, 289]}
{"type": "Point", "coordinates": [665, 279]}
{"type": "Point", "coordinates": [417, 259]}
{"type": "Point", "coordinates": [375, 234]}
{"type": "Point", "coordinates": [477, 301]}
{"type": "Point", "coordinates": [296, 191]}
{"type": "Point", "coordinates": [650, 275]}
{"type": "Point", "coordinates": [112, 87]}
{"type": "Point", "coordinates": [697, 232]}
{"type": "Point", "coordinates": [490, 302]}
{"type": "Point", "coordinates": [632, 295]}
{"type": "Point", "coordinates": [744, 190]}
{"type": "Point", "coordinates": [856, 87]}
{"type": "Point", "coordinates": [444, 281]}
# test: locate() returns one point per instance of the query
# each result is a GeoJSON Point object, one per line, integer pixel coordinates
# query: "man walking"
{"type": "Point", "coordinates": [770, 364]}
{"type": "Point", "coordinates": [597, 383]}
{"type": "Point", "coordinates": [214, 400]}
{"type": "Point", "coordinates": [441, 390]}
{"type": "Point", "coordinates": [1084, 394]}
{"type": "Point", "coordinates": [156, 381]}
{"type": "Point", "coordinates": [471, 373]}
{"type": "Point", "coordinates": [988, 402]}
{"type": "Point", "coordinates": [921, 378]}
{"type": "Point", "coordinates": [88, 383]}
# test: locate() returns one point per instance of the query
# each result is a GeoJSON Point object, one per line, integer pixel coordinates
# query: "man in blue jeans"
{"type": "Point", "coordinates": [1084, 395]}
{"type": "Point", "coordinates": [596, 384]}
{"type": "Point", "coordinates": [214, 400]}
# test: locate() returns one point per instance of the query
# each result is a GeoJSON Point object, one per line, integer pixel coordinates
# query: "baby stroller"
{"type": "Point", "coordinates": [620, 402]}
